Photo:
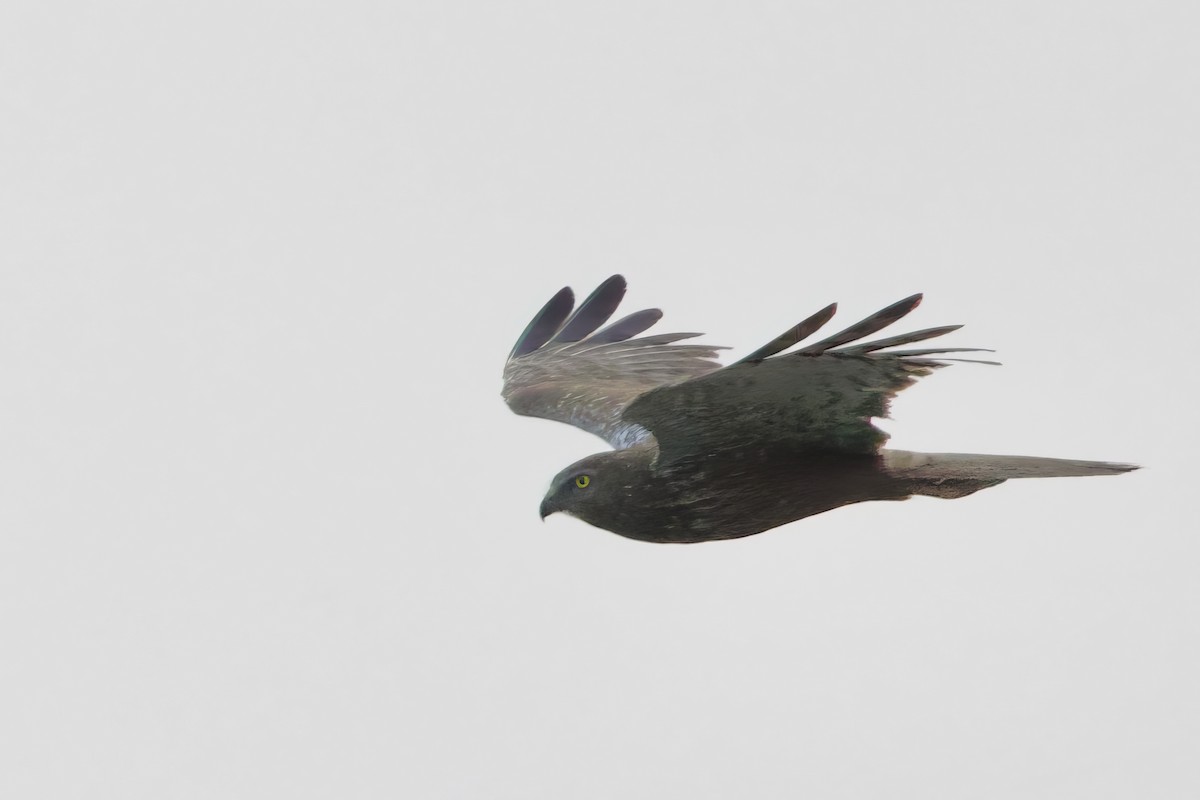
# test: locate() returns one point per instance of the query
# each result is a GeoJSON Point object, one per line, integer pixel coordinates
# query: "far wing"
{"type": "Point", "coordinates": [820, 398]}
{"type": "Point", "coordinates": [563, 368]}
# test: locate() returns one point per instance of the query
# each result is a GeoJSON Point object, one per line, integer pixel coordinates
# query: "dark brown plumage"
{"type": "Point", "coordinates": [705, 452]}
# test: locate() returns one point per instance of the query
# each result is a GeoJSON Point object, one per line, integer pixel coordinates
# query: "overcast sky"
{"type": "Point", "coordinates": [267, 529]}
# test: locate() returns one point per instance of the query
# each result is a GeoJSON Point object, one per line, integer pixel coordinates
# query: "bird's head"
{"type": "Point", "coordinates": [589, 488]}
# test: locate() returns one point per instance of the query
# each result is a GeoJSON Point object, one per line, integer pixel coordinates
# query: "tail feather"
{"type": "Point", "coordinates": [989, 468]}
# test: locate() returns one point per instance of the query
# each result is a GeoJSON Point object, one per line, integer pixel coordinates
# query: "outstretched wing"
{"type": "Point", "coordinates": [563, 368]}
{"type": "Point", "coordinates": [818, 398]}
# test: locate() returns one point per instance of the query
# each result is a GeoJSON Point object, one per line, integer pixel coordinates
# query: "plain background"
{"type": "Point", "coordinates": [267, 530]}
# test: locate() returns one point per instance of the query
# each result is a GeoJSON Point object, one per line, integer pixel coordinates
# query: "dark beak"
{"type": "Point", "coordinates": [546, 509]}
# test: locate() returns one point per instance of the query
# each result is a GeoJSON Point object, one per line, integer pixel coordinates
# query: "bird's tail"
{"type": "Point", "coordinates": [959, 474]}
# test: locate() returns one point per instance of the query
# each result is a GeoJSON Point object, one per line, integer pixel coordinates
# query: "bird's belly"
{"type": "Point", "coordinates": [727, 500]}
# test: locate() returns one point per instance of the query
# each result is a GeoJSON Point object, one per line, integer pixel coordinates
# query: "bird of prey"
{"type": "Point", "coordinates": [706, 452]}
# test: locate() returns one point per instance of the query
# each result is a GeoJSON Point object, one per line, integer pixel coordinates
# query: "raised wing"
{"type": "Point", "coordinates": [818, 399]}
{"type": "Point", "coordinates": [563, 368]}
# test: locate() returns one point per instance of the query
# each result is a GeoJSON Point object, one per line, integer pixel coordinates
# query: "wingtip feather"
{"type": "Point", "coordinates": [545, 323]}
{"type": "Point", "coordinates": [594, 311]}
{"type": "Point", "coordinates": [865, 327]}
{"type": "Point", "coordinates": [793, 335]}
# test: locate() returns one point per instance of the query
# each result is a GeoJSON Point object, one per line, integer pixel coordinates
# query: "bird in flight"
{"type": "Point", "coordinates": [705, 452]}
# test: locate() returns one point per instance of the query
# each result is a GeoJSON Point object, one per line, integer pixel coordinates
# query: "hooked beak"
{"type": "Point", "coordinates": [546, 509]}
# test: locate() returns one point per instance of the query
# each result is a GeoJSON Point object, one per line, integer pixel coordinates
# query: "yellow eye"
{"type": "Point", "coordinates": [582, 481]}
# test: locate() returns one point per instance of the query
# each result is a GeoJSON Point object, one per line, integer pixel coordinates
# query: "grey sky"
{"type": "Point", "coordinates": [267, 529]}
